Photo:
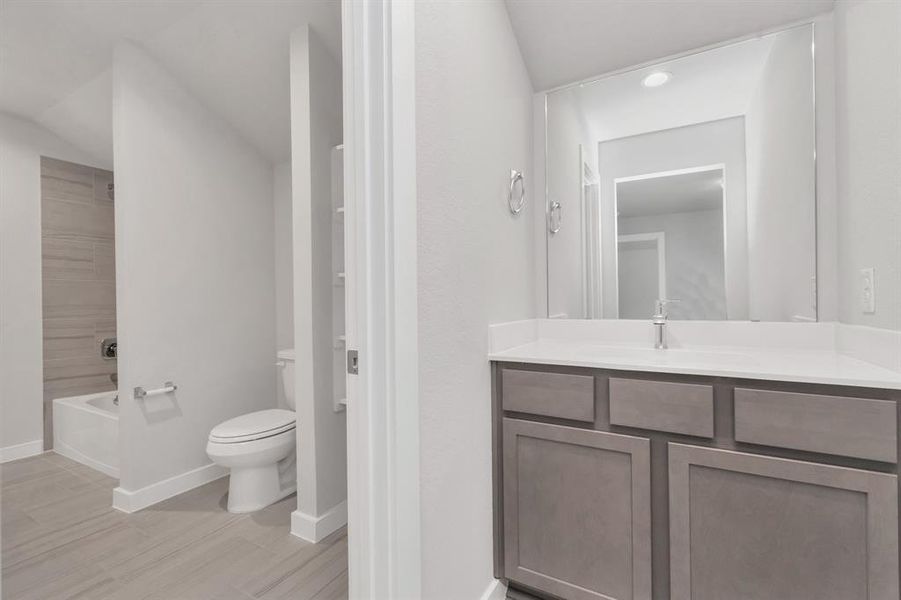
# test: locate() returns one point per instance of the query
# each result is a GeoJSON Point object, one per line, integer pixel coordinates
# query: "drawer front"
{"type": "Point", "coordinates": [856, 427]}
{"type": "Point", "coordinates": [559, 395]}
{"type": "Point", "coordinates": [662, 406]}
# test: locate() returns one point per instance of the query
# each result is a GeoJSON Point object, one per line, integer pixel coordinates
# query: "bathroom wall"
{"type": "Point", "coordinates": [716, 142]}
{"type": "Point", "coordinates": [695, 264]}
{"type": "Point", "coordinates": [196, 284]}
{"type": "Point", "coordinates": [779, 133]}
{"type": "Point", "coordinates": [868, 107]}
{"type": "Point", "coordinates": [474, 267]}
{"type": "Point", "coordinates": [79, 281]}
{"type": "Point", "coordinates": [321, 432]}
{"type": "Point", "coordinates": [567, 133]}
{"type": "Point", "coordinates": [22, 143]}
{"type": "Point", "coordinates": [284, 263]}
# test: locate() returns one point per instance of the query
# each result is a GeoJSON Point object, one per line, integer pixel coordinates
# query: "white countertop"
{"type": "Point", "coordinates": [812, 360]}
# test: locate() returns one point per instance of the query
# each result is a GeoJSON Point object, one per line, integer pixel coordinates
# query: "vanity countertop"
{"type": "Point", "coordinates": [810, 361]}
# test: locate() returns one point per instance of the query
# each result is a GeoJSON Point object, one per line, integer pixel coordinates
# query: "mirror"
{"type": "Point", "coordinates": [691, 179]}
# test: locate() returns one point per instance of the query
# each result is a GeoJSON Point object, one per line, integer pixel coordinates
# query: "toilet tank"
{"type": "Point", "coordinates": [286, 362]}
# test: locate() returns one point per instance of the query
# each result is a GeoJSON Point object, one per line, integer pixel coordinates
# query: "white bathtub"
{"type": "Point", "coordinates": [86, 429]}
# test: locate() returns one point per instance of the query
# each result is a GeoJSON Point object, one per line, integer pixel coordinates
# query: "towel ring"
{"type": "Point", "coordinates": [517, 205]}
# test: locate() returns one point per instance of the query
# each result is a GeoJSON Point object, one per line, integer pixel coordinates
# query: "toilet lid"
{"type": "Point", "coordinates": [253, 426]}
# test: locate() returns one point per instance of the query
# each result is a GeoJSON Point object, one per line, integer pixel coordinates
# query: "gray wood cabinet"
{"type": "Point", "coordinates": [748, 527]}
{"type": "Point", "coordinates": [653, 486]}
{"type": "Point", "coordinates": [577, 511]}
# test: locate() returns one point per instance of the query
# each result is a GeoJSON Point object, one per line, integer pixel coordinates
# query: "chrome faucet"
{"type": "Point", "coordinates": [659, 321]}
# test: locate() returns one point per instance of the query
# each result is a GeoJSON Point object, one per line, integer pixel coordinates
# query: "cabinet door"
{"type": "Point", "coordinates": [748, 527]}
{"type": "Point", "coordinates": [577, 511]}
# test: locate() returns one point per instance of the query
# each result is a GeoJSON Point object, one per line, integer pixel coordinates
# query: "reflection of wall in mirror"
{"type": "Point", "coordinates": [694, 264]}
{"type": "Point", "coordinates": [569, 147]}
{"type": "Point", "coordinates": [715, 142]}
{"type": "Point", "coordinates": [781, 188]}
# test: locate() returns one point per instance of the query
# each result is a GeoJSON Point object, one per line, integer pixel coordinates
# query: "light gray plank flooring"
{"type": "Point", "coordinates": [62, 540]}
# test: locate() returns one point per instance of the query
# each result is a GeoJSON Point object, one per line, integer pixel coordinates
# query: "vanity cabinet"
{"type": "Point", "coordinates": [748, 526]}
{"type": "Point", "coordinates": [577, 511]}
{"type": "Point", "coordinates": [638, 486]}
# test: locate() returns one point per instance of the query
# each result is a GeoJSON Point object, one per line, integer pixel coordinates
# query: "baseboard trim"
{"type": "Point", "coordinates": [69, 452]}
{"type": "Point", "coordinates": [496, 590]}
{"type": "Point", "coordinates": [132, 501]}
{"type": "Point", "coordinates": [17, 451]}
{"type": "Point", "coordinates": [315, 529]}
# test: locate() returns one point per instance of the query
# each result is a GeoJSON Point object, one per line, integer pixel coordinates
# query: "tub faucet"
{"type": "Point", "coordinates": [659, 321]}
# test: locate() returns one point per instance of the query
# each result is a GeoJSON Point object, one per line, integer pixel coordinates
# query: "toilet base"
{"type": "Point", "coordinates": [253, 488]}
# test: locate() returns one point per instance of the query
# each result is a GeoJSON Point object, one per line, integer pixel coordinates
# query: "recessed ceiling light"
{"type": "Point", "coordinates": [656, 79]}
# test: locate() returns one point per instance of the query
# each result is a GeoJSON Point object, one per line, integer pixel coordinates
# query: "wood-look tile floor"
{"type": "Point", "coordinates": [62, 540]}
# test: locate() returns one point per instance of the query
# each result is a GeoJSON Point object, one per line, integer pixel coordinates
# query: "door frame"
{"type": "Point", "coordinates": [380, 248]}
{"type": "Point", "coordinates": [659, 239]}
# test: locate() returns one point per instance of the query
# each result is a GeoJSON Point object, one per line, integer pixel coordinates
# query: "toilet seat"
{"type": "Point", "coordinates": [253, 426]}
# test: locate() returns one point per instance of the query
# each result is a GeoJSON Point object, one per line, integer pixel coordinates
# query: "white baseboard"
{"type": "Point", "coordinates": [315, 529]}
{"type": "Point", "coordinates": [496, 590]}
{"type": "Point", "coordinates": [64, 449]}
{"type": "Point", "coordinates": [133, 501]}
{"type": "Point", "coordinates": [18, 451]}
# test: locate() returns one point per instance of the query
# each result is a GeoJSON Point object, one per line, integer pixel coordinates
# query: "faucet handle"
{"type": "Point", "coordinates": [661, 303]}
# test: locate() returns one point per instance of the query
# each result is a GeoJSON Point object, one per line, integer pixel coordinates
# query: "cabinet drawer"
{"type": "Point", "coordinates": [856, 427]}
{"type": "Point", "coordinates": [560, 395]}
{"type": "Point", "coordinates": [662, 406]}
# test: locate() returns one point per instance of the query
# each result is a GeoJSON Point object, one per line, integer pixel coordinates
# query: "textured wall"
{"type": "Point", "coordinates": [79, 281]}
{"type": "Point", "coordinates": [868, 108]}
{"type": "Point", "coordinates": [474, 267]}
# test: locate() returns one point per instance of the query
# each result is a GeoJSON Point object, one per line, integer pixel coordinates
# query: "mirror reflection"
{"type": "Point", "coordinates": [691, 180]}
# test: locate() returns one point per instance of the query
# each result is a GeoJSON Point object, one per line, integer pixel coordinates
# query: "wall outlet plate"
{"type": "Point", "coordinates": [868, 290]}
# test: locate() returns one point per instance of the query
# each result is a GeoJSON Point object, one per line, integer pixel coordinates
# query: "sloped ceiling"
{"type": "Point", "coordinates": [55, 59]}
{"type": "Point", "coordinates": [564, 41]}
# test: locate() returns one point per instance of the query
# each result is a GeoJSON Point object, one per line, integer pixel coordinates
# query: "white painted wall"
{"type": "Point", "coordinates": [284, 263]}
{"type": "Point", "coordinates": [695, 263]}
{"type": "Point", "coordinates": [22, 143]}
{"type": "Point", "coordinates": [868, 107]}
{"type": "Point", "coordinates": [569, 144]}
{"type": "Point", "coordinates": [315, 130]}
{"type": "Point", "coordinates": [195, 275]}
{"type": "Point", "coordinates": [717, 142]}
{"type": "Point", "coordinates": [473, 124]}
{"type": "Point", "coordinates": [779, 135]}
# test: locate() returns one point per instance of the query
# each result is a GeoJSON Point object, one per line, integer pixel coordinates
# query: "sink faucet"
{"type": "Point", "coordinates": [659, 321]}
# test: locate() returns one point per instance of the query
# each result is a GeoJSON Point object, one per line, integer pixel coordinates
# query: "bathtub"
{"type": "Point", "coordinates": [86, 429]}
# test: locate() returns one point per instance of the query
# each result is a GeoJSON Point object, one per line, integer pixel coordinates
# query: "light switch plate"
{"type": "Point", "coordinates": [868, 290]}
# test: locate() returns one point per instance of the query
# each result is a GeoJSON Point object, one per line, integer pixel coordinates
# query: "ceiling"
{"type": "Point", "coordinates": [56, 56]}
{"type": "Point", "coordinates": [711, 85]}
{"type": "Point", "coordinates": [564, 41]}
{"type": "Point", "coordinates": [685, 192]}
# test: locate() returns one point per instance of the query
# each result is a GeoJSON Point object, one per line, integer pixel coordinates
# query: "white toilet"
{"type": "Point", "coordinates": [258, 448]}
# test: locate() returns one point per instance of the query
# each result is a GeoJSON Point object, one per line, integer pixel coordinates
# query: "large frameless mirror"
{"type": "Point", "coordinates": [693, 180]}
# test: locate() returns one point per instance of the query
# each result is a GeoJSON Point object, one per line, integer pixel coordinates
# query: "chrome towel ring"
{"type": "Point", "coordinates": [517, 205]}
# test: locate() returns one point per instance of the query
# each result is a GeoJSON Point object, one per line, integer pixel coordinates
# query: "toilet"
{"type": "Point", "coordinates": [258, 449]}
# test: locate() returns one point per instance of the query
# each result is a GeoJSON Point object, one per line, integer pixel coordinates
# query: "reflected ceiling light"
{"type": "Point", "coordinates": [656, 79]}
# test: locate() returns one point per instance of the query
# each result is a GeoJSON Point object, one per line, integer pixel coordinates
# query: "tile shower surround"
{"type": "Point", "coordinates": [78, 280]}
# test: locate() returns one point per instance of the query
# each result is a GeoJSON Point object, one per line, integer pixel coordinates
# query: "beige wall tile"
{"type": "Point", "coordinates": [105, 261]}
{"type": "Point", "coordinates": [67, 259]}
{"type": "Point", "coordinates": [79, 294]}
{"type": "Point", "coordinates": [102, 181]}
{"type": "Point", "coordinates": [67, 181]}
{"type": "Point", "coordinates": [65, 338]}
{"type": "Point", "coordinates": [73, 220]}
{"type": "Point", "coordinates": [79, 299]}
